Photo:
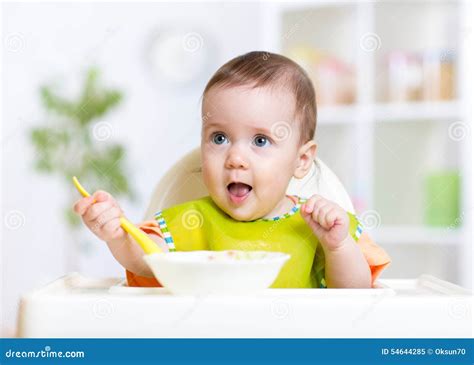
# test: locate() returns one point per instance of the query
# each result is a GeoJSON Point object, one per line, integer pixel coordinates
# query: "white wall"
{"type": "Point", "coordinates": [56, 42]}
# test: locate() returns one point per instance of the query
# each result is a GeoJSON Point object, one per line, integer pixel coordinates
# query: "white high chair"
{"type": "Point", "coordinates": [74, 306]}
{"type": "Point", "coordinates": [183, 182]}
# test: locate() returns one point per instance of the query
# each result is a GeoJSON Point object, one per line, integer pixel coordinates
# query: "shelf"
{"type": "Point", "coordinates": [389, 154]}
{"type": "Point", "coordinates": [340, 138]}
{"type": "Point", "coordinates": [416, 235]}
{"type": "Point", "coordinates": [449, 111]}
{"type": "Point", "coordinates": [338, 114]}
{"type": "Point", "coordinates": [406, 156]}
{"type": "Point", "coordinates": [409, 59]}
{"type": "Point", "coordinates": [302, 5]}
{"type": "Point", "coordinates": [393, 112]}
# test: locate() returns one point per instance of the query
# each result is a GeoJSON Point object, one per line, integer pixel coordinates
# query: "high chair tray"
{"type": "Point", "coordinates": [76, 306]}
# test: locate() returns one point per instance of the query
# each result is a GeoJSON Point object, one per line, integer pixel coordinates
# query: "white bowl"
{"type": "Point", "coordinates": [209, 272]}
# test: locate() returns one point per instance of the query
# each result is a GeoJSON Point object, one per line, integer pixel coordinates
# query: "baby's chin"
{"type": "Point", "coordinates": [245, 213]}
{"type": "Point", "coordinates": [242, 216]}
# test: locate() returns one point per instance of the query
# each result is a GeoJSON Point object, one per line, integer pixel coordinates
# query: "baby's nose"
{"type": "Point", "coordinates": [235, 160]}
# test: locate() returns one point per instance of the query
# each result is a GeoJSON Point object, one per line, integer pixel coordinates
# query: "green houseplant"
{"type": "Point", "coordinates": [75, 141]}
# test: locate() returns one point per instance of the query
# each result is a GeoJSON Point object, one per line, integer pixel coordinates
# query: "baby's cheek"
{"type": "Point", "coordinates": [208, 178]}
{"type": "Point", "coordinates": [211, 183]}
{"type": "Point", "coordinates": [207, 167]}
{"type": "Point", "coordinates": [275, 176]}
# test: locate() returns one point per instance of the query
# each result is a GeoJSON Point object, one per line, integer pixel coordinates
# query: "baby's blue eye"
{"type": "Point", "coordinates": [261, 141]}
{"type": "Point", "coordinates": [219, 138]}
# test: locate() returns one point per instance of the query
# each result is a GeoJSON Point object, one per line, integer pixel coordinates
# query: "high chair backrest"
{"type": "Point", "coordinates": [183, 182]}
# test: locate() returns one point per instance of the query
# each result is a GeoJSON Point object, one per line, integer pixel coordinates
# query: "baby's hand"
{"type": "Point", "coordinates": [328, 221]}
{"type": "Point", "coordinates": [102, 217]}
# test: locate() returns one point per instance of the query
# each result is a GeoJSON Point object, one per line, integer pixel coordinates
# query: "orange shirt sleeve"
{"type": "Point", "coordinates": [150, 227]}
{"type": "Point", "coordinates": [376, 256]}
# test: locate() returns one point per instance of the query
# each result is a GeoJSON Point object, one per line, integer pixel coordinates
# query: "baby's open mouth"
{"type": "Point", "coordinates": [238, 191]}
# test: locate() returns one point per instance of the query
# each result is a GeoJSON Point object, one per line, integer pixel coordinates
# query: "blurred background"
{"type": "Point", "coordinates": [111, 92]}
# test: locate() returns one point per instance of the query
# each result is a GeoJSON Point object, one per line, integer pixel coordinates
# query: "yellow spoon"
{"type": "Point", "coordinates": [146, 243]}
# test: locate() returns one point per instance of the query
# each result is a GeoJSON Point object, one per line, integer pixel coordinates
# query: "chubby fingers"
{"type": "Point", "coordinates": [86, 206]}
{"type": "Point", "coordinates": [111, 228]}
{"type": "Point", "coordinates": [102, 212]}
{"type": "Point", "coordinates": [330, 217]}
{"type": "Point", "coordinates": [309, 206]}
{"type": "Point", "coordinates": [83, 204]}
{"type": "Point", "coordinates": [321, 211]}
{"type": "Point", "coordinates": [105, 208]}
{"type": "Point", "coordinates": [102, 196]}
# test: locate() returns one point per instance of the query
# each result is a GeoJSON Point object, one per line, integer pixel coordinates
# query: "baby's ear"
{"type": "Point", "coordinates": [306, 156]}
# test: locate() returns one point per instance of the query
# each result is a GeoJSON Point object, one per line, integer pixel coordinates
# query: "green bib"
{"type": "Point", "coordinates": [201, 225]}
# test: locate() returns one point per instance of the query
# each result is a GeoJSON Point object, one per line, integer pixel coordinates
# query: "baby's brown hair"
{"type": "Point", "coordinates": [259, 69]}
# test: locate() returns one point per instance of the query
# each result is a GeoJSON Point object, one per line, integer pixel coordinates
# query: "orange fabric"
{"type": "Point", "coordinates": [376, 257]}
{"type": "Point", "coordinates": [141, 281]}
{"type": "Point", "coordinates": [150, 227]}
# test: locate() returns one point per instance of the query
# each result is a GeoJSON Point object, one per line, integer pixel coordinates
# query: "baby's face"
{"type": "Point", "coordinates": [249, 149]}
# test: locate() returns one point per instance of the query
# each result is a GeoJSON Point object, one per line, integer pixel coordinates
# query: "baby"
{"type": "Point", "coordinates": [247, 164]}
